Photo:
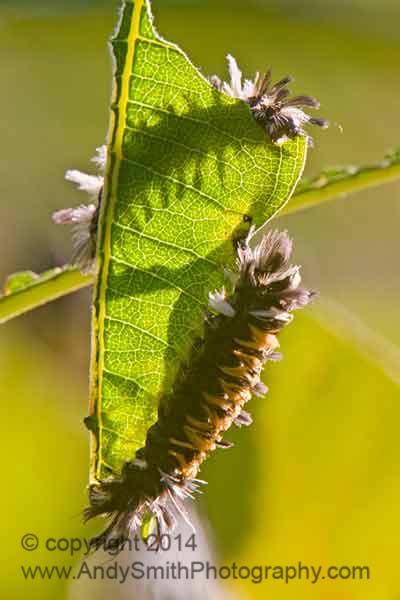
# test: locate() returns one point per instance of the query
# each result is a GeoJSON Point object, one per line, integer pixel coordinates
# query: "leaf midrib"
{"type": "Point", "coordinates": [107, 217]}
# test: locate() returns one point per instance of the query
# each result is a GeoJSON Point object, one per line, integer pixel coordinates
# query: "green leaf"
{"type": "Point", "coordinates": [187, 166]}
{"type": "Point", "coordinates": [340, 181]}
{"type": "Point", "coordinates": [329, 184]}
{"type": "Point", "coordinates": [26, 290]}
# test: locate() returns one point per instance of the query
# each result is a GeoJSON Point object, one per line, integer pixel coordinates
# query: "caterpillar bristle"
{"type": "Point", "coordinates": [209, 395]}
{"type": "Point", "coordinates": [225, 444]}
{"type": "Point", "coordinates": [260, 389]}
{"type": "Point", "coordinates": [280, 114]}
{"type": "Point", "coordinates": [243, 418]}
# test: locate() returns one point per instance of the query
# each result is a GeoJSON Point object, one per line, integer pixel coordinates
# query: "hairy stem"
{"type": "Point", "coordinates": [64, 282]}
{"type": "Point", "coordinates": [327, 188]}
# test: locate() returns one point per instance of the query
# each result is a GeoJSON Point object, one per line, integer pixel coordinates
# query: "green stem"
{"type": "Point", "coordinates": [360, 180]}
{"type": "Point", "coordinates": [60, 284]}
{"type": "Point", "coordinates": [324, 188]}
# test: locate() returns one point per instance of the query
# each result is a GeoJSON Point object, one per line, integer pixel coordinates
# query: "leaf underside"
{"type": "Point", "coordinates": [25, 291]}
{"type": "Point", "coordinates": [186, 163]}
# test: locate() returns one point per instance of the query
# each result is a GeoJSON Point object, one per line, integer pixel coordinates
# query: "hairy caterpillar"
{"type": "Point", "coordinates": [280, 115]}
{"type": "Point", "coordinates": [84, 218]}
{"type": "Point", "coordinates": [240, 336]}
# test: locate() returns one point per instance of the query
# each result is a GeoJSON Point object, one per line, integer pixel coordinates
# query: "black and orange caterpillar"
{"type": "Point", "coordinates": [240, 336]}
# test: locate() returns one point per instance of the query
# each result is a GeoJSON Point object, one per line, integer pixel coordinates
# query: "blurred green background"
{"type": "Point", "coordinates": [316, 478]}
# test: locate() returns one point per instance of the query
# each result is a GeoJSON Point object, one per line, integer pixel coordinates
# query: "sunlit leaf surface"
{"type": "Point", "coordinates": [187, 167]}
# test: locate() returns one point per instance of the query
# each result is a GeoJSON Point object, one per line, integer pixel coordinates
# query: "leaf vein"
{"type": "Point", "coordinates": [137, 328]}
{"type": "Point", "coordinates": [126, 378]}
{"type": "Point", "coordinates": [179, 182]}
{"type": "Point", "coordinates": [169, 283]}
{"type": "Point", "coordinates": [174, 142]}
{"type": "Point", "coordinates": [194, 120]}
{"type": "Point", "coordinates": [121, 435]}
{"type": "Point", "coordinates": [162, 242]}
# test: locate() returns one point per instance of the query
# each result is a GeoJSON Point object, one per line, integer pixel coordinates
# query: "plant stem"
{"type": "Point", "coordinates": [360, 180]}
{"type": "Point", "coordinates": [68, 279]}
{"type": "Point", "coordinates": [64, 282]}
